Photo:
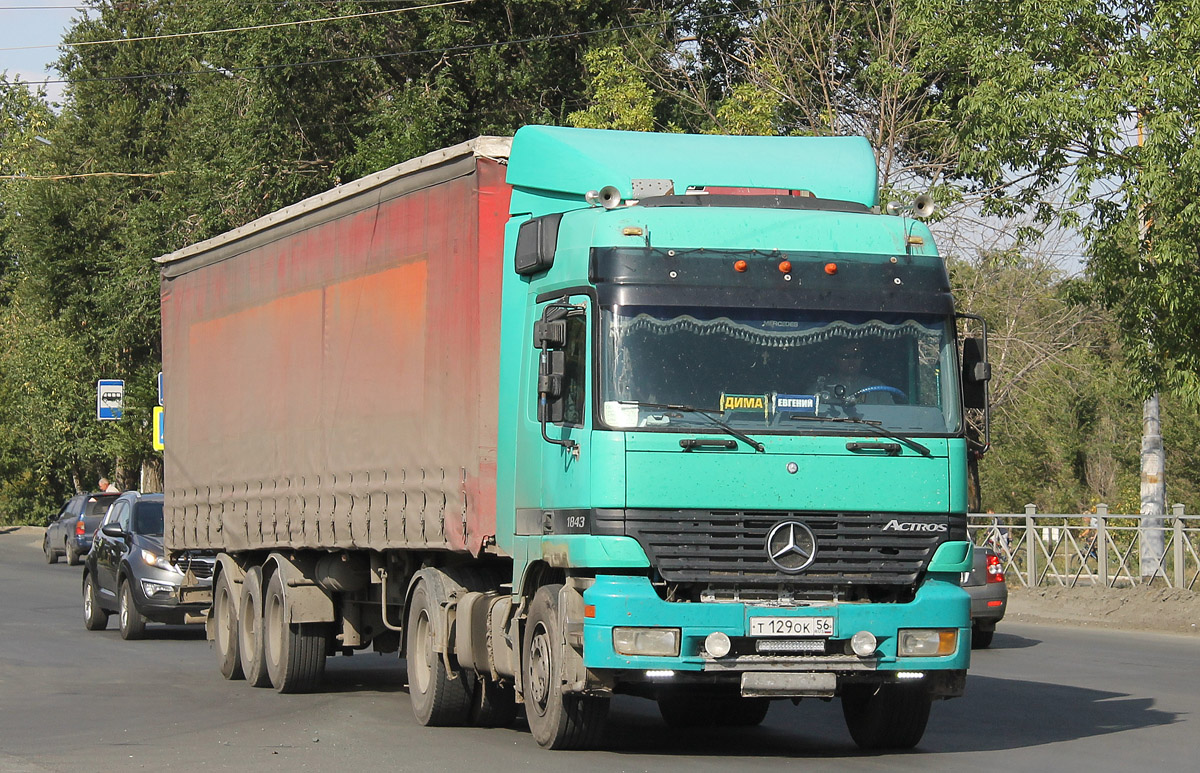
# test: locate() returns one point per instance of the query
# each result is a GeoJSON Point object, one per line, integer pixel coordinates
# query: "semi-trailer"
{"type": "Point", "coordinates": [580, 413]}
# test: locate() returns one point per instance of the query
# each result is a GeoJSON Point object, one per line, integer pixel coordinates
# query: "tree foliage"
{"type": "Point", "coordinates": [165, 140]}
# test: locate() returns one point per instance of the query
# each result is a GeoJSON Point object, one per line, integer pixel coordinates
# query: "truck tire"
{"type": "Point", "coordinates": [225, 628]}
{"type": "Point", "coordinates": [439, 698]}
{"type": "Point", "coordinates": [493, 704]}
{"type": "Point", "coordinates": [889, 716]}
{"type": "Point", "coordinates": [51, 555]}
{"type": "Point", "coordinates": [295, 652]}
{"type": "Point", "coordinates": [94, 618]}
{"type": "Point", "coordinates": [72, 554]}
{"type": "Point", "coordinates": [250, 625]}
{"type": "Point", "coordinates": [133, 624]}
{"type": "Point", "coordinates": [689, 710]}
{"type": "Point", "coordinates": [557, 720]}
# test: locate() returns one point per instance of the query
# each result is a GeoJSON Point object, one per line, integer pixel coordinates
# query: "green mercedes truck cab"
{"type": "Point", "coordinates": [732, 460]}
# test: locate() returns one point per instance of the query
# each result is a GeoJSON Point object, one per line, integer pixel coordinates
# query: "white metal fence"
{"type": "Point", "coordinates": [1098, 549]}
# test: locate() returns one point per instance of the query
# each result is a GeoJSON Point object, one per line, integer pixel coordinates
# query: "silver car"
{"type": "Point", "coordinates": [989, 595]}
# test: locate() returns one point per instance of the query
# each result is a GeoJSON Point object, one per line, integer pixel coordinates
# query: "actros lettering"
{"type": "Point", "coordinates": [894, 525]}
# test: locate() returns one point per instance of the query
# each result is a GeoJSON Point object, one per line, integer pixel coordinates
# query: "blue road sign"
{"type": "Point", "coordinates": [110, 399]}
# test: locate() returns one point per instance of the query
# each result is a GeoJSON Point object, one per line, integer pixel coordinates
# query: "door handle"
{"type": "Point", "coordinates": [688, 443]}
{"type": "Point", "coordinates": [891, 449]}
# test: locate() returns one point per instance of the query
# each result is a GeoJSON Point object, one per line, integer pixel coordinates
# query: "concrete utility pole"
{"type": "Point", "coordinates": [1153, 488]}
{"type": "Point", "coordinates": [1153, 491]}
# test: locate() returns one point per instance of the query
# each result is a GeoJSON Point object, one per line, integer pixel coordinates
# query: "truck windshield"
{"type": "Point", "coordinates": [778, 370]}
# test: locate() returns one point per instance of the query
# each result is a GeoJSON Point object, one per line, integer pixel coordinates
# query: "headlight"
{"type": "Point", "coordinates": [660, 642]}
{"type": "Point", "coordinates": [150, 558]}
{"type": "Point", "coordinates": [152, 589]}
{"type": "Point", "coordinates": [926, 642]}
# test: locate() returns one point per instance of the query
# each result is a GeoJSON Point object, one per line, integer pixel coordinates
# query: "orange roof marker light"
{"type": "Point", "coordinates": [740, 266]}
{"type": "Point", "coordinates": [785, 266]}
{"type": "Point", "coordinates": [831, 268]}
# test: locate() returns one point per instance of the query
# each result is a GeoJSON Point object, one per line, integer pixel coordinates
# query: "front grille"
{"type": "Point", "coordinates": [723, 552]}
{"type": "Point", "coordinates": [201, 567]}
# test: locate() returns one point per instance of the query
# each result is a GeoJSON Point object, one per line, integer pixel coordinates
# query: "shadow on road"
{"type": "Point", "coordinates": [1016, 714]}
{"type": "Point", "coordinates": [1010, 641]}
{"type": "Point", "coordinates": [174, 632]}
{"type": "Point", "coordinates": [365, 672]}
{"type": "Point", "coordinates": [996, 714]}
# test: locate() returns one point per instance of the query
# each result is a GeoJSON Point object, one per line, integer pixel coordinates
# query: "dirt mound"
{"type": "Point", "coordinates": [1167, 610]}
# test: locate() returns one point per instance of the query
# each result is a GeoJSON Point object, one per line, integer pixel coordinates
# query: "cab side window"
{"type": "Point", "coordinates": [575, 377]}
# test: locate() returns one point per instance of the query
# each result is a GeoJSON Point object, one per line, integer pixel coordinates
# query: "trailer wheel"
{"type": "Point", "coordinates": [493, 704]}
{"type": "Point", "coordinates": [295, 652]}
{"type": "Point", "coordinates": [250, 626]}
{"type": "Point", "coordinates": [439, 697]}
{"type": "Point", "coordinates": [889, 716]}
{"type": "Point", "coordinates": [689, 710]}
{"type": "Point", "coordinates": [557, 720]}
{"type": "Point", "coordinates": [225, 628]}
{"type": "Point", "coordinates": [94, 618]}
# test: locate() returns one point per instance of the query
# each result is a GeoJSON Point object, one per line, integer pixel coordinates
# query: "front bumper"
{"type": "Point", "coordinates": [632, 601]}
{"type": "Point", "coordinates": [162, 606]}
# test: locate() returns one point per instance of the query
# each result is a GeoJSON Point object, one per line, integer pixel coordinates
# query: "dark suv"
{"type": "Point", "coordinates": [127, 571]}
{"type": "Point", "coordinates": [70, 532]}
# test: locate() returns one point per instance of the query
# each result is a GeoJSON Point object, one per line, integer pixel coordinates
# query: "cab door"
{"type": "Point", "coordinates": [567, 426]}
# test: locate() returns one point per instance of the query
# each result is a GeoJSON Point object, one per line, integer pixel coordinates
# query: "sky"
{"type": "Point", "coordinates": [33, 23]}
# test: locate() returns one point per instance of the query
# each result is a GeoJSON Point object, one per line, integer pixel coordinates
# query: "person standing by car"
{"type": "Point", "coordinates": [108, 487]}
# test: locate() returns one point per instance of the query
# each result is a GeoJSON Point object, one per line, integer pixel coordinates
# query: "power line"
{"type": "Point", "coordinates": [299, 23]}
{"type": "Point", "coordinates": [226, 71]}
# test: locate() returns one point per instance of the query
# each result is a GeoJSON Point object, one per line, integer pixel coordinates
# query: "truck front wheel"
{"type": "Point", "coordinates": [889, 716]}
{"type": "Point", "coordinates": [225, 627]}
{"type": "Point", "coordinates": [295, 652]}
{"type": "Point", "coordinates": [439, 698]}
{"type": "Point", "coordinates": [557, 720]}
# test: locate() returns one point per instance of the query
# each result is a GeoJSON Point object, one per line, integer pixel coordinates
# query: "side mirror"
{"type": "Point", "coordinates": [552, 369]}
{"type": "Point", "coordinates": [113, 530]}
{"type": "Point", "coordinates": [537, 240]}
{"type": "Point", "coordinates": [550, 334]}
{"type": "Point", "coordinates": [976, 372]}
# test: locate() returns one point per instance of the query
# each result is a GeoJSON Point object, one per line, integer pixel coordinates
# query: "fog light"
{"type": "Point", "coordinates": [863, 644]}
{"type": "Point", "coordinates": [926, 642]}
{"type": "Point", "coordinates": [659, 642]}
{"type": "Point", "coordinates": [156, 588]}
{"type": "Point", "coordinates": [717, 644]}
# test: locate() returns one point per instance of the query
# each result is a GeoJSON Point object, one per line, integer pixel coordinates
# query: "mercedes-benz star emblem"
{"type": "Point", "coordinates": [791, 546]}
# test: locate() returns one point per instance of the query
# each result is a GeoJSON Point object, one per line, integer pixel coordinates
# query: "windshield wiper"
{"type": "Point", "coordinates": [876, 425]}
{"type": "Point", "coordinates": [706, 413]}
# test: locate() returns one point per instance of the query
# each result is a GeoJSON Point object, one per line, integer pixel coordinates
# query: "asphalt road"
{"type": "Point", "coordinates": [1043, 698]}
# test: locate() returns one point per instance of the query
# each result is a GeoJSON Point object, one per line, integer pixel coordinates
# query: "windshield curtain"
{"type": "Point", "coordinates": [778, 370]}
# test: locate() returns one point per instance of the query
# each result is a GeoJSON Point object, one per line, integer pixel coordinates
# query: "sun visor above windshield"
{"type": "Point", "coordinates": [557, 160]}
